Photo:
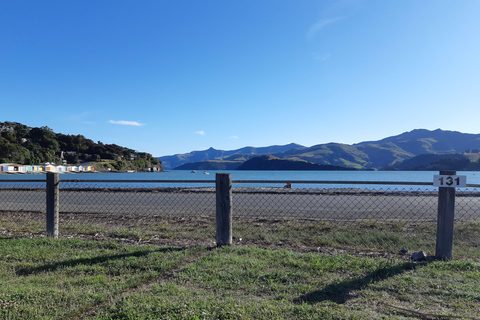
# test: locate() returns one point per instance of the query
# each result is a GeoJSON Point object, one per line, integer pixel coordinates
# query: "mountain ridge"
{"type": "Point", "coordinates": [210, 154]}
{"type": "Point", "coordinates": [367, 155]}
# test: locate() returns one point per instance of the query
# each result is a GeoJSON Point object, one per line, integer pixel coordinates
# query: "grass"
{"type": "Point", "coordinates": [51, 279]}
{"type": "Point", "coordinates": [363, 235]}
{"type": "Point", "coordinates": [70, 279]}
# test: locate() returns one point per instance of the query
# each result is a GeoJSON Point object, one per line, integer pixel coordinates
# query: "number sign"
{"type": "Point", "coordinates": [449, 181]}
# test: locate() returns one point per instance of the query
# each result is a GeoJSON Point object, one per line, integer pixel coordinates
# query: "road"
{"type": "Point", "coordinates": [333, 207]}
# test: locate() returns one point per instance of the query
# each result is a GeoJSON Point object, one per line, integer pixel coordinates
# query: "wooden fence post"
{"type": "Point", "coordinates": [52, 204]}
{"type": "Point", "coordinates": [223, 184]}
{"type": "Point", "coordinates": [445, 220]}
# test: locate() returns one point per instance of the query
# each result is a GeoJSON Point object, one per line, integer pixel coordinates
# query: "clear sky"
{"type": "Point", "coordinates": [169, 77]}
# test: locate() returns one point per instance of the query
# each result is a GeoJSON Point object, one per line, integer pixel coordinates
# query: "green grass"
{"type": "Point", "coordinates": [51, 279]}
{"type": "Point", "coordinates": [377, 236]}
{"type": "Point", "coordinates": [250, 283]}
{"type": "Point", "coordinates": [363, 235]}
{"type": "Point", "coordinates": [70, 279]}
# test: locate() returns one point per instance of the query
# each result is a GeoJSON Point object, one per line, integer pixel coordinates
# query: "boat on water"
{"type": "Point", "coordinates": [193, 171]}
{"type": "Point", "coordinates": [205, 172]}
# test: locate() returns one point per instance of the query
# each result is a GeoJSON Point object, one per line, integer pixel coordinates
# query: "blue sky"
{"type": "Point", "coordinates": [169, 77]}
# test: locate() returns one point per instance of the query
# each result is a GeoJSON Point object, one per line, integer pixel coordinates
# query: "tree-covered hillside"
{"type": "Point", "coordinates": [25, 145]}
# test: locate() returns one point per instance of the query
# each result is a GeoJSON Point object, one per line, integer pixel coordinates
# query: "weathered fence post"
{"type": "Point", "coordinates": [445, 220]}
{"type": "Point", "coordinates": [223, 184]}
{"type": "Point", "coordinates": [52, 204]}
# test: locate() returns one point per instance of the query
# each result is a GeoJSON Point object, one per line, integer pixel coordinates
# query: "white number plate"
{"type": "Point", "coordinates": [449, 181]}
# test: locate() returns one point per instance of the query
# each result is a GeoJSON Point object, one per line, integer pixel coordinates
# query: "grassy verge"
{"type": "Point", "coordinates": [53, 279]}
{"type": "Point", "coordinates": [69, 279]}
{"type": "Point", "coordinates": [361, 235]}
{"type": "Point", "coordinates": [247, 283]}
{"type": "Point", "coordinates": [372, 235]}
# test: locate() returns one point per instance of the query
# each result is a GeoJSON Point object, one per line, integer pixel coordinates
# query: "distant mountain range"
{"type": "Point", "coordinates": [388, 153]}
{"type": "Point", "coordinates": [235, 157]}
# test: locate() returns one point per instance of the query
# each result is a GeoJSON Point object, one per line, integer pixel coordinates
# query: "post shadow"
{"type": "Point", "coordinates": [341, 292]}
{"type": "Point", "coordinates": [88, 261]}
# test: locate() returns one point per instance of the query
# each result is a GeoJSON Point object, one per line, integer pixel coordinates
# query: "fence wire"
{"type": "Point", "coordinates": [22, 208]}
{"type": "Point", "coordinates": [386, 218]}
{"type": "Point", "coordinates": [118, 210]}
{"type": "Point", "coordinates": [373, 219]}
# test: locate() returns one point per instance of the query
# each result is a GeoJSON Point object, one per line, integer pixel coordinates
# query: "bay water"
{"type": "Point", "coordinates": [175, 176]}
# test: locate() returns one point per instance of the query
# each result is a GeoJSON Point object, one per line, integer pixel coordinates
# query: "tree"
{"type": "Point", "coordinates": [37, 145]}
{"type": "Point", "coordinates": [14, 153]}
{"type": "Point", "coordinates": [21, 132]}
{"type": "Point", "coordinates": [72, 158]}
{"type": "Point", "coordinates": [9, 136]}
{"type": "Point", "coordinates": [119, 165]}
{"type": "Point", "coordinates": [45, 137]}
{"type": "Point", "coordinates": [141, 163]}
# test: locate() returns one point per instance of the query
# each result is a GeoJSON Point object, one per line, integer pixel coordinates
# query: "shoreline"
{"type": "Point", "coordinates": [242, 190]}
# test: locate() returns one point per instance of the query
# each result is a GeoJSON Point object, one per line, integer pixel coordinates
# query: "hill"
{"type": "Point", "coordinates": [387, 153]}
{"type": "Point", "coordinates": [437, 162]}
{"type": "Point", "coordinates": [210, 165]}
{"type": "Point", "coordinates": [29, 145]}
{"type": "Point", "coordinates": [267, 162]}
{"type": "Point", "coordinates": [211, 154]}
{"type": "Point", "coordinates": [422, 141]}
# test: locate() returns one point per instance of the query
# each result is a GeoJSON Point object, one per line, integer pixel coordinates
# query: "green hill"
{"type": "Point", "coordinates": [437, 162]}
{"type": "Point", "coordinates": [267, 162]}
{"type": "Point", "coordinates": [29, 145]}
{"type": "Point", "coordinates": [210, 165]}
{"type": "Point", "coordinates": [388, 153]}
{"type": "Point", "coordinates": [211, 154]}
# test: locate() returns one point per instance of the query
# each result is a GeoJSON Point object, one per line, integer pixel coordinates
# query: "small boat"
{"type": "Point", "coordinates": [193, 171]}
{"type": "Point", "coordinates": [205, 172]}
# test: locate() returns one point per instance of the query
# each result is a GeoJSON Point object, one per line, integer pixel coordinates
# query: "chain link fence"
{"type": "Point", "coordinates": [385, 218]}
{"type": "Point", "coordinates": [22, 207]}
{"type": "Point", "coordinates": [140, 213]}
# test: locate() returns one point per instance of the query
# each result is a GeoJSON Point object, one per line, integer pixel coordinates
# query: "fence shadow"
{"type": "Point", "coordinates": [341, 292]}
{"type": "Point", "coordinates": [89, 261]}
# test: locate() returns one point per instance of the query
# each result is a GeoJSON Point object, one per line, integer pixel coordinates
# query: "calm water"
{"type": "Point", "coordinates": [284, 176]}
